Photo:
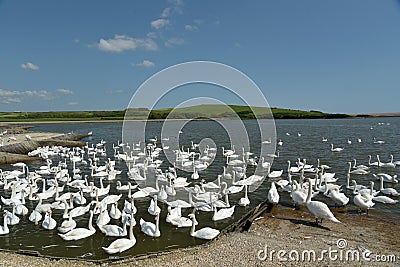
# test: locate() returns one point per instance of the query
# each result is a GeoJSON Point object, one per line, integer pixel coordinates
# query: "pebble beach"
{"type": "Point", "coordinates": [283, 229]}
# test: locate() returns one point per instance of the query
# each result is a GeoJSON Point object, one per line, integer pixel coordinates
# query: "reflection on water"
{"type": "Point", "coordinates": [27, 236]}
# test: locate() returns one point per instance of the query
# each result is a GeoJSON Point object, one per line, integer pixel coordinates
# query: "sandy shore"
{"type": "Point", "coordinates": [283, 229]}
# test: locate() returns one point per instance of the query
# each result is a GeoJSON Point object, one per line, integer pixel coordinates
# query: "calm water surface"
{"type": "Point", "coordinates": [27, 236]}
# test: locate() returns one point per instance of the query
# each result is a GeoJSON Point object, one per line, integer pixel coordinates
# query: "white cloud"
{"type": "Point", "coordinates": [117, 91]}
{"type": "Point", "coordinates": [152, 35]}
{"type": "Point", "coordinates": [15, 96]}
{"type": "Point", "coordinates": [191, 27]}
{"type": "Point", "coordinates": [10, 100]}
{"type": "Point", "coordinates": [174, 42]}
{"type": "Point", "coordinates": [64, 91]}
{"type": "Point", "coordinates": [159, 23]}
{"type": "Point", "coordinates": [145, 64]}
{"type": "Point", "coordinates": [72, 103]}
{"type": "Point", "coordinates": [177, 5]}
{"type": "Point", "coordinates": [121, 43]}
{"type": "Point", "coordinates": [29, 66]}
{"type": "Point", "coordinates": [166, 12]}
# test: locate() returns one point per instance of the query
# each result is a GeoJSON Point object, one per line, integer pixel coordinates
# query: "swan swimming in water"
{"type": "Point", "coordinates": [203, 233]}
{"type": "Point", "coordinates": [244, 201]}
{"type": "Point", "coordinates": [80, 233]}
{"type": "Point", "coordinates": [67, 225]}
{"type": "Point", "coordinates": [115, 230]}
{"type": "Point", "coordinates": [223, 213]}
{"type": "Point", "coordinates": [389, 190]}
{"type": "Point", "coordinates": [49, 223]}
{"type": "Point", "coordinates": [150, 228]}
{"type": "Point", "coordinates": [122, 244]}
{"type": "Point", "coordinates": [4, 228]}
{"type": "Point", "coordinates": [336, 149]}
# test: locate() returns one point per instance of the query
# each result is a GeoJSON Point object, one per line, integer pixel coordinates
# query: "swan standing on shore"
{"type": "Point", "coordinates": [273, 196]}
{"type": "Point", "coordinates": [363, 202]}
{"type": "Point", "coordinates": [319, 209]}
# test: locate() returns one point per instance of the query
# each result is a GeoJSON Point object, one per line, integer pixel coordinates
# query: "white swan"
{"type": "Point", "coordinates": [223, 213]}
{"type": "Point", "coordinates": [389, 190]}
{"type": "Point", "coordinates": [386, 177]}
{"type": "Point", "coordinates": [49, 223]}
{"type": "Point", "coordinates": [273, 195]}
{"type": "Point", "coordinates": [244, 201]}
{"type": "Point", "coordinates": [114, 230]}
{"type": "Point", "coordinates": [317, 208]}
{"type": "Point", "coordinates": [336, 149]}
{"type": "Point", "coordinates": [129, 207]}
{"type": "Point", "coordinates": [162, 194]}
{"type": "Point", "coordinates": [115, 213]}
{"type": "Point", "coordinates": [150, 228]}
{"type": "Point", "coordinates": [4, 228]}
{"type": "Point", "coordinates": [122, 244]}
{"type": "Point", "coordinates": [35, 216]}
{"type": "Point", "coordinates": [67, 225]}
{"type": "Point", "coordinates": [384, 199]}
{"type": "Point", "coordinates": [203, 233]}
{"type": "Point", "coordinates": [363, 202]}
{"type": "Point", "coordinates": [275, 174]}
{"type": "Point", "coordinates": [339, 198]}
{"type": "Point", "coordinates": [78, 211]}
{"type": "Point", "coordinates": [299, 197]}
{"type": "Point", "coordinates": [80, 233]}
{"type": "Point", "coordinates": [12, 219]}
{"type": "Point", "coordinates": [104, 217]}
{"type": "Point", "coordinates": [153, 208]}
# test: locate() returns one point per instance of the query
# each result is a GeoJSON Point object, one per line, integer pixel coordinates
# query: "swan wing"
{"type": "Point", "coordinates": [321, 210]}
{"type": "Point", "coordinates": [111, 230]}
{"type": "Point", "coordinates": [119, 245]}
{"type": "Point", "coordinates": [76, 234]}
{"type": "Point", "coordinates": [206, 233]}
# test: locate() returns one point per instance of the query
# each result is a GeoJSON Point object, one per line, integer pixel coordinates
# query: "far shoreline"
{"type": "Point", "coordinates": [352, 116]}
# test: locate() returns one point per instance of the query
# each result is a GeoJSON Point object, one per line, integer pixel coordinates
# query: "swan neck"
{"type": "Point", "coordinates": [227, 200]}
{"type": "Point", "coordinates": [131, 236]}
{"type": "Point", "coordinates": [193, 226]}
{"type": "Point", "coordinates": [90, 222]}
{"type": "Point", "coordinates": [309, 192]}
{"type": "Point", "coordinates": [158, 223]}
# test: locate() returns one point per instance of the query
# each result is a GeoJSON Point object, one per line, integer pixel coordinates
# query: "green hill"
{"type": "Point", "coordinates": [193, 112]}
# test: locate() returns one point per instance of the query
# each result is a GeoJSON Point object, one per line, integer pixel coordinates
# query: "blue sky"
{"type": "Point", "coordinates": [334, 56]}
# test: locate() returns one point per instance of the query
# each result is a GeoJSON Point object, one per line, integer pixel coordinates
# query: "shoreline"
{"type": "Point", "coordinates": [6, 123]}
{"type": "Point", "coordinates": [282, 229]}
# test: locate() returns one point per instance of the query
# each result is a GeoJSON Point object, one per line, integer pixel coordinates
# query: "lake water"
{"type": "Point", "coordinates": [27, 236]}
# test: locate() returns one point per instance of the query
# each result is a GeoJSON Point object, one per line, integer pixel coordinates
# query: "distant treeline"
{"type": "Point", "coordinates": [195, 112]}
